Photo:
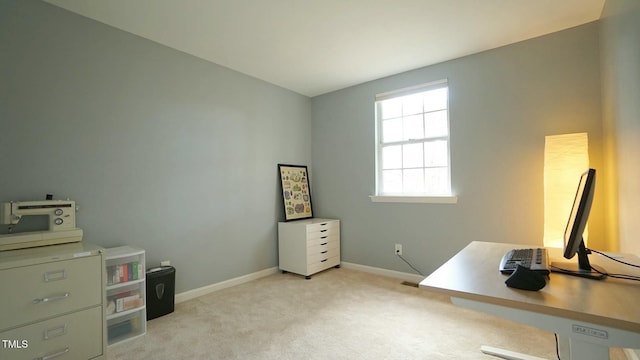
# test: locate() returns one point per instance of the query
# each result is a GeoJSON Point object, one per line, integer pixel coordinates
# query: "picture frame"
{"type": "Point", "coordinates": [296, 193]}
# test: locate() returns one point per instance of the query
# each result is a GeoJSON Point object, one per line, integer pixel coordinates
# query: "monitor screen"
{"type": "Point", "coordinates": [579, 213]}
{"type": "Point", "coordinates": [573, 241]}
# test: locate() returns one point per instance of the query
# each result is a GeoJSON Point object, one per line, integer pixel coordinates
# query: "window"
{"type": "Point", "coordinates": [412, 142]}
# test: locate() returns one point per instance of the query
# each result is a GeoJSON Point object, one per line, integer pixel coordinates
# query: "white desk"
{"type": "Point", "coordinates": [589, 316]}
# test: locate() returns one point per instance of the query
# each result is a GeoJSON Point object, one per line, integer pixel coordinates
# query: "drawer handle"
{"type": "Point", "coordinates": [53, 298]}
{"type": "Point", "coordinates": [323, 244]}
{"type": "Point", "coordinates": [325, 230]}
{"type": "Point", "coordinates": [55, 331]}
{"type": "Point", "coordinates": [324, 260]}
{"type": "Point", "coordinates": [324, 237]}
{"type": "Point", "coordinates": [324, 252]}
{"type": "Point", "coordinates": [54, 355]}
{"type": "Point", "coordinates": [323, 224]}
{"type": "Point", "coordinates": [55, 275]}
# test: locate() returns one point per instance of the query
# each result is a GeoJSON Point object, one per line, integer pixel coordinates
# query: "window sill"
{"type": "Point", "coordinates": [415, 199]}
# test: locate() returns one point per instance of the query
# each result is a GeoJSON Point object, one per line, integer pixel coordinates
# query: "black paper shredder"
{"type": "Point", "coordinates": [161, 287]}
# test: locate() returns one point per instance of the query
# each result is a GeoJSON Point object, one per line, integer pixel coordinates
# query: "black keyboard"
{"type": "Point", "coordinates": [534, 259]}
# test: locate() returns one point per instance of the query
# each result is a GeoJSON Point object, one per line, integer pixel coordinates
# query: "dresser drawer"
{"type": "Point", "coordinates": [323, 248]}
{"type": "Point", "coordinates": [323, 240]}
{"type": "Point", "coordinates": [325, 264]}
{"type": "Point", "coordinates": [74, 336]}
{"type": "Point", "coordinates": [324, 228]}
{"type": "Point", "coordinates": [50, 289]}
{"type": "Point", "coordinates": [320, 256]}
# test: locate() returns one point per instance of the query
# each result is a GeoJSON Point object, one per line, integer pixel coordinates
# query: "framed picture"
{"type": "Point", "coordinates": [296, 194]}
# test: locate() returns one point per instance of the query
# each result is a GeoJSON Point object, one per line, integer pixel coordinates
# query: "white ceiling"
{"type": "Point", "coordinates": [317, 46]}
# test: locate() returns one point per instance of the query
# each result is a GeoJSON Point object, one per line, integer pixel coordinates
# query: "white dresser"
{"type": "Point", "coordinates": [308, 246]}
{"type": "Point", "coordinates": [52, 302]}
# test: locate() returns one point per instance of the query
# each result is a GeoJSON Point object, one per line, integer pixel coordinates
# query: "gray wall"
{"type": "Point", "coordinates": [178, 156]}
{"type": "Point", "coordinates": [502, 104]}
{"type": "Point", "coordinates": [160, 149]}
{"type": "Point", "coordinates": [621, 115]}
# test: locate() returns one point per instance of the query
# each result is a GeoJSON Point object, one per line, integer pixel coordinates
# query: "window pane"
{"type": "Point", "coordinates": [392, 181]}
{"type": "Point", "coordinates": [412, 127]}
{"type": "Point", "coordinates": [436, 124]}
{"type": "Point", "coordinates": [392, 157]}
{"type": "Point", "coordinates": [413, 181]}
{"type": "Point", "coordinates": [412, 156]}
{"type": "Point", "coordinates": [392, 130]}
{"type": "Point", "coordinates": [437, 181]}
{"type": "Point", "coordinates": [435, 99]}
{"type": "Point", "coordinates": [413, 142]}
{"type": "Point", "coordinates": [391, 108]}
{"type": "Point", "coordinates": [412, 104]}
{"type": "Point", "coordinates": [436, 153]}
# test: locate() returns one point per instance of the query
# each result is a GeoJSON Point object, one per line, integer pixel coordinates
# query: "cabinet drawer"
{"type": "Point", "coordinates": [323, 255]}
{"type": "Point", "coordinates": [322, 240]}
{"type": "Point", "coordinates": [330, 262]}
{"type": "Point", "coordinates": [125, 327]}
{"type": "Point", "coordinates": [324, 228]}
{"type": "Point", "coordinates": [73, 336]}
{"type": "Point", "coordinates": [50, 289]}
{"type": "Point", "coordinates": [322, 248]}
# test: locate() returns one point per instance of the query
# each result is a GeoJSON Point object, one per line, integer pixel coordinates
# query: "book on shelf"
{"type": "Point", "coordinates": [125, 301]}
{"type": "Point", "coordinates": [124, 272]}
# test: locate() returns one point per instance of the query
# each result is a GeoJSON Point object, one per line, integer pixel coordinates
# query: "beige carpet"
{"type": "Point", "coordinates": [338, 314]}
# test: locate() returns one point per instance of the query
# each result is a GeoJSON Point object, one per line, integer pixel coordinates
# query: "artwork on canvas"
{"type": "Point", "coordinates": [294, 181]}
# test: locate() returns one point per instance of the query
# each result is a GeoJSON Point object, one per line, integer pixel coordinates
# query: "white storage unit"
{"type": "Point", "coordinates": [53, 302]}
{"type": "Point", "coordinates": [126, 294]}
{"type": "Point", "coordinates": [309, 246]}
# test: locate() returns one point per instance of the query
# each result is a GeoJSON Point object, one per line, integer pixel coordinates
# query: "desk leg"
{"type": "Point", "coordinates": [506, 354]}
{"type": "Point", "coordinates": [570, 349]}
{"type": "Point", "coordinates": [579, 350]}
{"type": "Point", "coordinates": [573, 349]}
{"type": "Point", "coordinates": [572, 345]}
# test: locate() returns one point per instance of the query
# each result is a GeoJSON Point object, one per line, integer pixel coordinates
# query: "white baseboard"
{"type": "Point", "coordinates": [208, 289]}
{"type": "Point", "coordinates": [192, 294]}
{"type": "Point", "coordinates": [384, 272]}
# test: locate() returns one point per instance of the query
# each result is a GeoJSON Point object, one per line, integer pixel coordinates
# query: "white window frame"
{"type": "Point", "coordinates": [441, 198]}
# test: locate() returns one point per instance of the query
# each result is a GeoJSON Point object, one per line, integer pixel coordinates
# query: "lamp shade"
{"type": "Point", "coordinates": [566, 157]}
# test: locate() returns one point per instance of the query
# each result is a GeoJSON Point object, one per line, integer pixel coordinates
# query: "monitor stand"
{"type": "Point", "coordinates": [583, 268]}
{"type": "Point", "coordinates": [570, 268]}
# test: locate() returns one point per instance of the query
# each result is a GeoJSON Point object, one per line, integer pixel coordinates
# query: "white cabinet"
{"type": "Point", "coordinates": [309, 246]}
{"type": "Point", "coordinates": [126, 294]}
{"type": "Point", "coordinates": [53, 303]}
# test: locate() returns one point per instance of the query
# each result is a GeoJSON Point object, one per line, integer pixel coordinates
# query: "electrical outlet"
{"type": "Point", "coordinates": [398, 249]}
{"type": "Point", "coordinates": [165, 263]}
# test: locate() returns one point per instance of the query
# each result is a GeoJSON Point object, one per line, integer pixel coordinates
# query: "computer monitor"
{"type": "Point", "coordinates": [573, 241]}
